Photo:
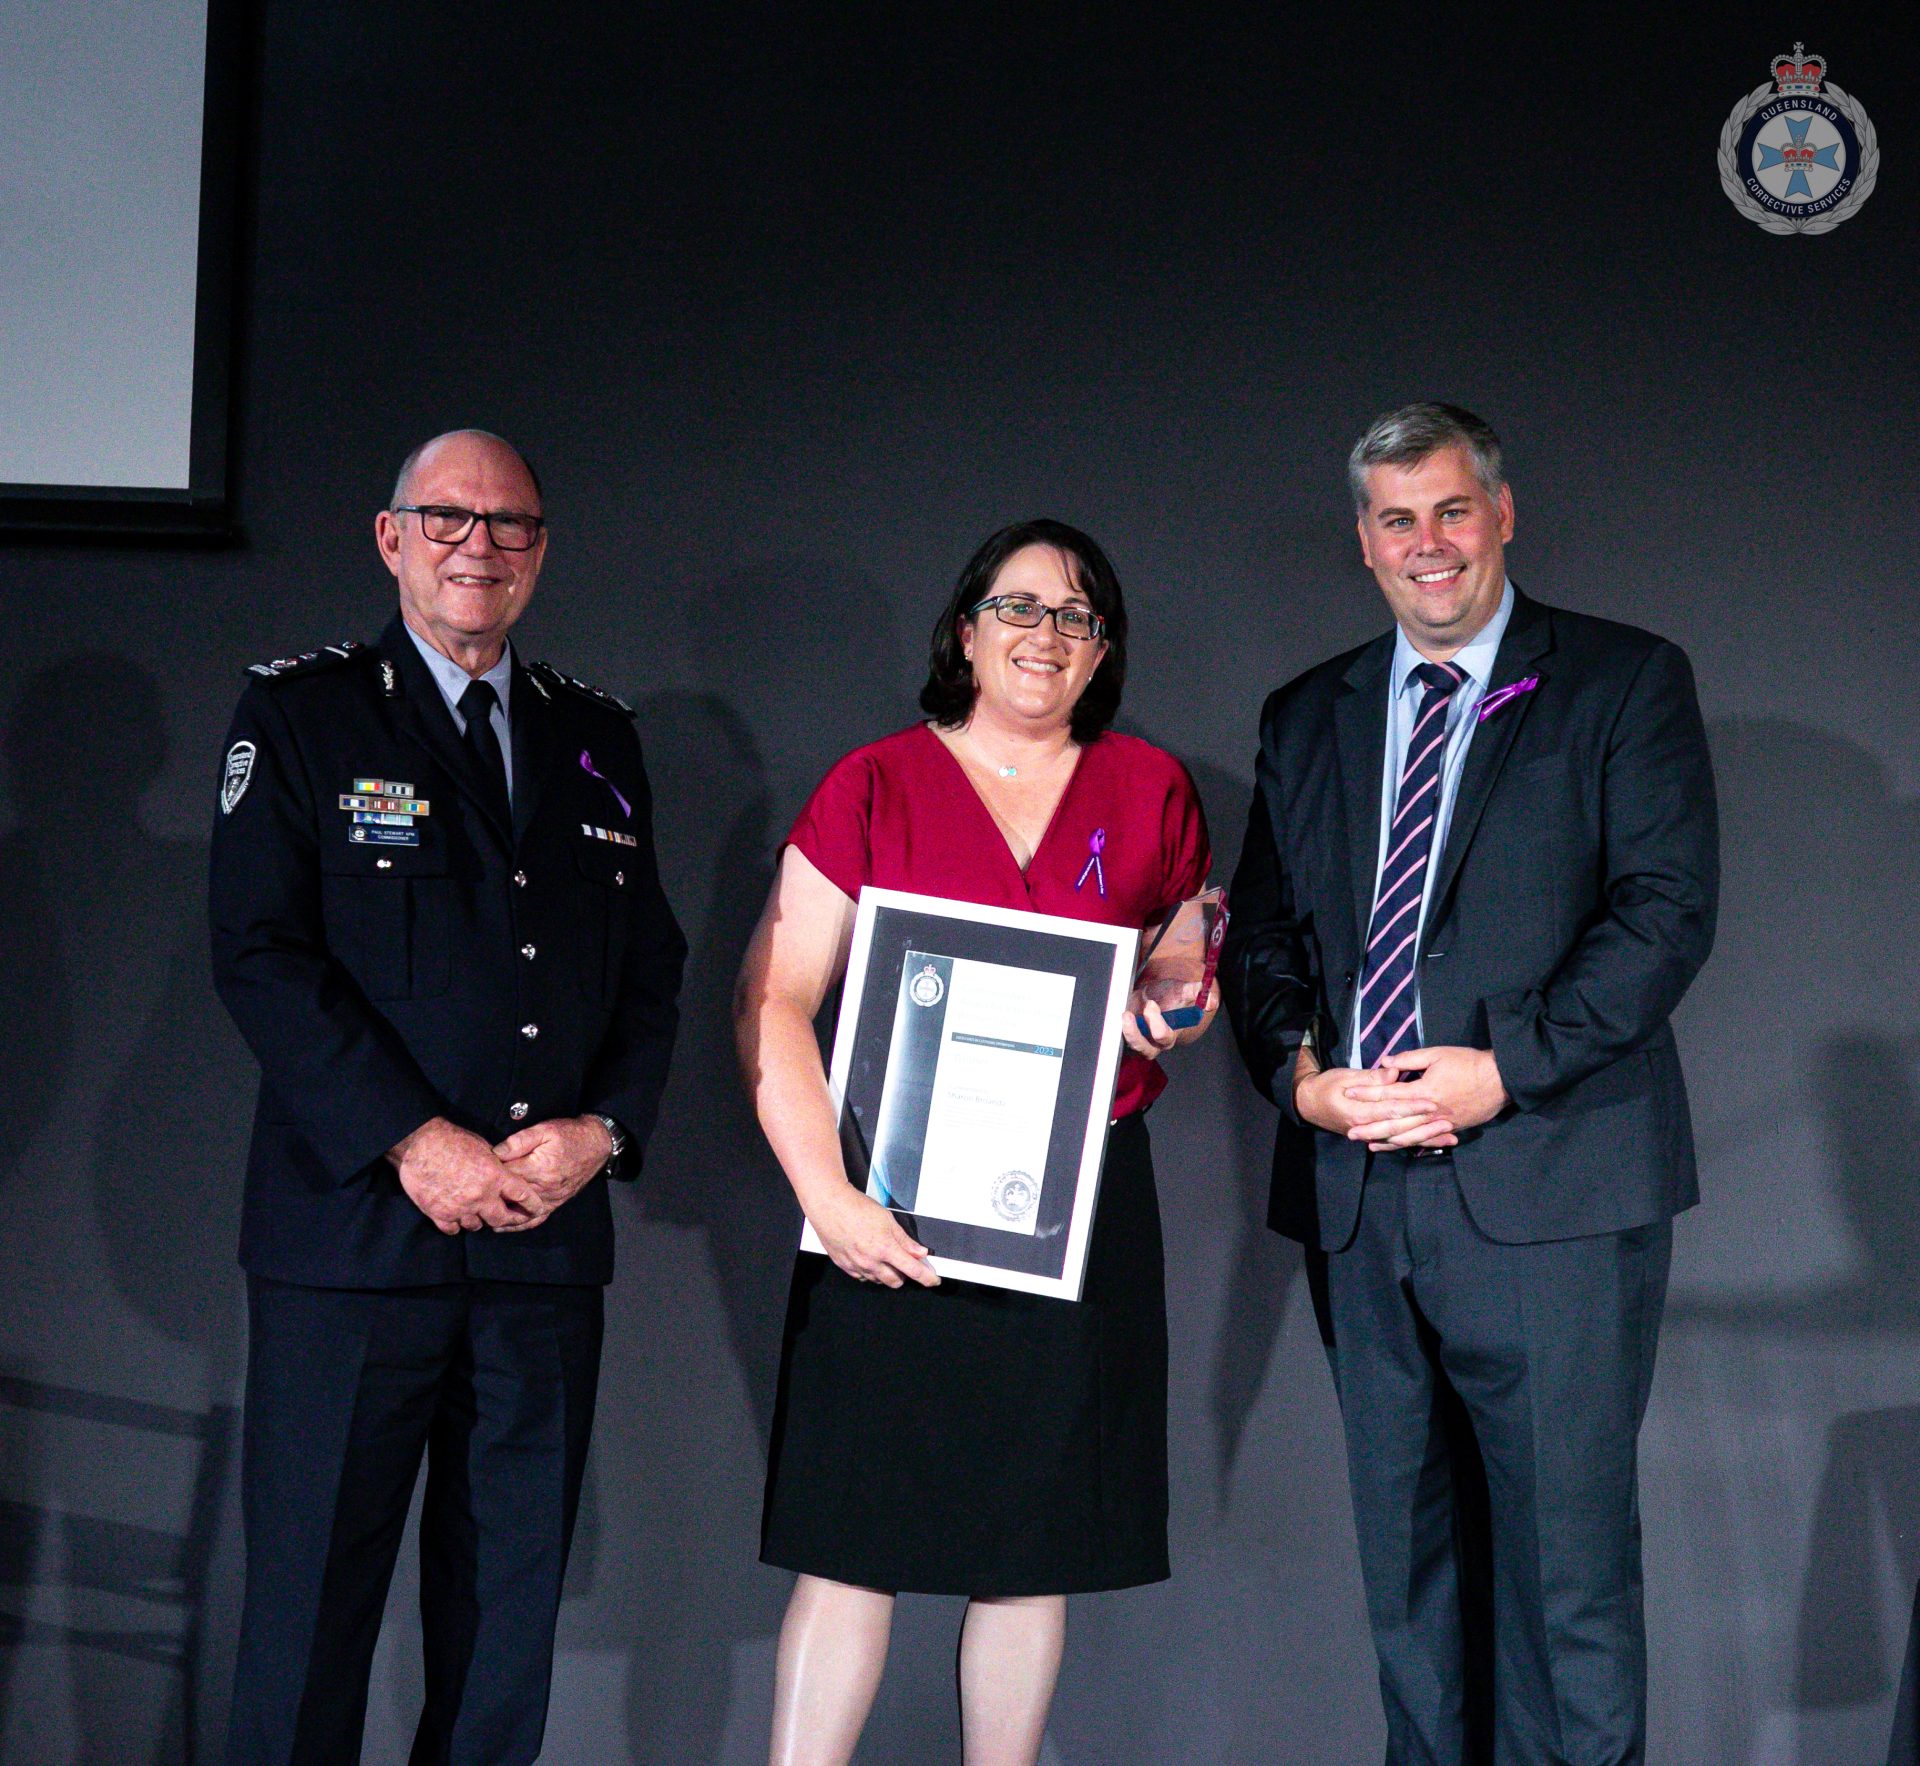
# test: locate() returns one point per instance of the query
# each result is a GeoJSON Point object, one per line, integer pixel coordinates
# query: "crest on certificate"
{"type": "Point", "coordinates": [1014, 1194]}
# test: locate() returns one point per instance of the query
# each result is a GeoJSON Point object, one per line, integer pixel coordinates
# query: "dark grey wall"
{"type": "Point", "coordinates": [791, 315]}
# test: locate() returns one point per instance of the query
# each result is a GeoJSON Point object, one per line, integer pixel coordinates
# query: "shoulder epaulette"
{"type": "Point", "coordinates": [546, 675]}
{"type": "Point", "coordinates": [309, 661]}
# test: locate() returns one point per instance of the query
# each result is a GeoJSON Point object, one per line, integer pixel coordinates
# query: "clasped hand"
{"type": "Point", "coordinates": [1418, 1098]}
{"type": "Point", "coordinates": [462, 1184]}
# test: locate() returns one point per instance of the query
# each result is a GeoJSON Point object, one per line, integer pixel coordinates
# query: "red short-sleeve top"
{"type": "Point", "coordinates": [901, 813]}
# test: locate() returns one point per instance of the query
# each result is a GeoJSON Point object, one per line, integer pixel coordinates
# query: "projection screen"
{"type": "Point", "coordinates": [116, 187]}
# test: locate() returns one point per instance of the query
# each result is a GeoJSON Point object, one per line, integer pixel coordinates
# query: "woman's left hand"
{"type": "Point", "coordinates": [1146, 1030]}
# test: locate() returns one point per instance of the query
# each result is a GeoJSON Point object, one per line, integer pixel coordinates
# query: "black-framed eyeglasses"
{"type": "Point", "coordinates": [447, 525]}
{"type": "Point", "coordinates": [1070, 621]}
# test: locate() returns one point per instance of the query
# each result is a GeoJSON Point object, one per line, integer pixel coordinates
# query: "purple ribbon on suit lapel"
{"type": "Point", "coordinates": [1493, 701]}
{"type": "Point", "coordinates": [1096, 844]}
{"type": "Point", "coordinates": [587, 766]}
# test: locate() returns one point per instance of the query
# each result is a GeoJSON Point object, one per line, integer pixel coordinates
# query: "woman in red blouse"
{"type": "Point", "coordinates": [946, 1437]}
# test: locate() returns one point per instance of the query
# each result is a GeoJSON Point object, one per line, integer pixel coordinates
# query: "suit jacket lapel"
{"type": "Point", "coordinates": [537, 748]}
{"type": "Point", "coordinates": [425, 717]}
{"type": "Point", "coordinates": [1528, 639]}
{"type": "Point", "coordinates": [1360, 742]}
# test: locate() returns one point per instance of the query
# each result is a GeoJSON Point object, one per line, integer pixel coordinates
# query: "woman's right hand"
{"type": "Point", "coordinates": [799, 951]}
{"type": "Point", "coordinates": [867, 1242]}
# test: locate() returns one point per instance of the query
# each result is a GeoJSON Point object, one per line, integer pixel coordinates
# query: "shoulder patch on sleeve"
{"type": "Point", "coordinates": [545, 675]}
{"type": "Point", "coordinates": [308, 661]}
{"type": "Point", "coordinates": [237, 775]}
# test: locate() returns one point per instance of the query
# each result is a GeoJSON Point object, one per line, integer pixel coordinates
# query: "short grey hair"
{"type": "Point", "coordinates": [1407, 436]}
{"type": "Point", "coordinates": [407, 465]}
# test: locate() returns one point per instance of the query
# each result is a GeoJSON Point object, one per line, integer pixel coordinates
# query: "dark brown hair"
{"type": "Point", "coordinates": [950, 691]}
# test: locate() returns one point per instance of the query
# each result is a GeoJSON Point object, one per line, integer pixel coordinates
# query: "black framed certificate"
{"type": "Point", "coordinates": [973, 1069]}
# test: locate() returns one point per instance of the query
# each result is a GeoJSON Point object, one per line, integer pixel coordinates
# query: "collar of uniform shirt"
{"type": "Point", "coordinates": [452, 679]}
{"type": "Point", "coordinates": [1476, 657]}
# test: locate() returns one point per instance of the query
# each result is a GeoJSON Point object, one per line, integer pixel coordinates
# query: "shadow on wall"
{"type": "Point", "coordinates": [1260, 1276]}
{"type": "Point", "coordinates": [795, 663]}
{"type": "Point", "coordinates": [1816, 1065]}
{"type": "Point", "coordinates": [712, 1170]}
{"type": "Point", "coordinates": [803, 664]}
{"type": "Point", "coordinates": [93, 1602]}
{"type": "Point", "coordinates": [46, 774]}
{"type": "Point", "coordinates": [1868, 1510]}
{"type": "Point", "coordinates": [121, 1134]}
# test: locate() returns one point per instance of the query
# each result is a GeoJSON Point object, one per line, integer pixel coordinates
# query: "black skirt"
{"type": "Point", "coordinates": [972, 1440]}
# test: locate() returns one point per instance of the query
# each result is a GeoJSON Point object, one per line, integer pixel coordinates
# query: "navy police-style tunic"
{"type": "Point", "coordinates": [392, 950]}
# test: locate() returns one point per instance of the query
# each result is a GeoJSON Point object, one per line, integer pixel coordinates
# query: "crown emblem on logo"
{"type": "Point", "coordinates": [1799, 74]}
{"type": "Point", "coordinates": [1798, 154]}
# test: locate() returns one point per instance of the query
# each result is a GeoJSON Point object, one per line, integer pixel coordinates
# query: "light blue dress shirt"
{"type": "Point", "coordinates": [452, 681]}
{"type": "Point", "coordinates": [1403, 710]}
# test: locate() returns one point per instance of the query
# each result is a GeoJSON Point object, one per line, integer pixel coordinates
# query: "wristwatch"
{"type": "Point", "coordinates": [618, 1136]}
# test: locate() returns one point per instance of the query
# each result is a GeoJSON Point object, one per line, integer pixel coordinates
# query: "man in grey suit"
{"type": "Point", "coordinates": [1480, 871]}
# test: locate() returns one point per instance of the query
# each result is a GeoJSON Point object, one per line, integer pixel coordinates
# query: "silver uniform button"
{"type": "Point", "coordinates": [526, 950]}
{"type": "Point", "coordinates": [517, 1111]}
{"type": "Point", "coordinates": [620, 876]}
{"type": "Point", "coordinates": [529, 1031]}
{"type": "Point", "coordinates": [383, 864]}
{"type": "Point", "coordinates": [519, 879]}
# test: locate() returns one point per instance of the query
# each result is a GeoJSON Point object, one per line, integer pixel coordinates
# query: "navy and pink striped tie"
{"type": "Point", "coordinates": [1386, 1010]}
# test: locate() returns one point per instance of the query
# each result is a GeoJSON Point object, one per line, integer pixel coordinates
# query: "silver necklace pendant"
{"type": "Point", "coordinates": [1009, 772]}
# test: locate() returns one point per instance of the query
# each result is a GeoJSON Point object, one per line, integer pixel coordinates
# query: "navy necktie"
{"type": "Point", "coordinates": [1386, 1010]}
{"type": "Point", "coordinates": [476, 708]}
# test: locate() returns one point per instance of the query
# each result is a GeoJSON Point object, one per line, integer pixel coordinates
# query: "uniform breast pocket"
{"type": "Point", "coordinates": [608, 872]}
{"type": "Point", "coordinates": [389, 919]}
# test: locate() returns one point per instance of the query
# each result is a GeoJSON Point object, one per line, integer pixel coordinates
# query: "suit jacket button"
{"type": "Point", "coordinates": [529, 1031]}
{"type": "Point", "coordinates": [517, 1111]}
{"type": "Point", "coordinates": [519, 879]}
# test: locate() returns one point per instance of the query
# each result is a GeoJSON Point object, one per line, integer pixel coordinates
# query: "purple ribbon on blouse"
{"type": "Point", "coordinates": [587, 766]}
{"type": "Point", "coordinates": [1096, 844]}
{"type": "Point", "coordinates": [1493, 701]}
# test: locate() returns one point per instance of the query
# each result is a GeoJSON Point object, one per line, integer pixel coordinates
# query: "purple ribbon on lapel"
{"type": "Point", "coordinates": [1493, 701]}
{"type": "Point", "coordinates": [1096, 844]}
{"type": "Point", "coordinates": [587, 766]}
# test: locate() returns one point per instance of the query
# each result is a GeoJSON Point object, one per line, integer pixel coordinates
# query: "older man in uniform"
{"type": "Point", "coordinates": [437, 922]}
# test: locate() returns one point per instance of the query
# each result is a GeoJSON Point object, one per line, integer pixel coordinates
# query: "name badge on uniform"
{"type": "Point", "coordinates": [383, 813]}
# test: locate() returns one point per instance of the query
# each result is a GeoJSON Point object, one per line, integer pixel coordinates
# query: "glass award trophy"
{"type": "Point", "coordinates": [1182, 956]}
